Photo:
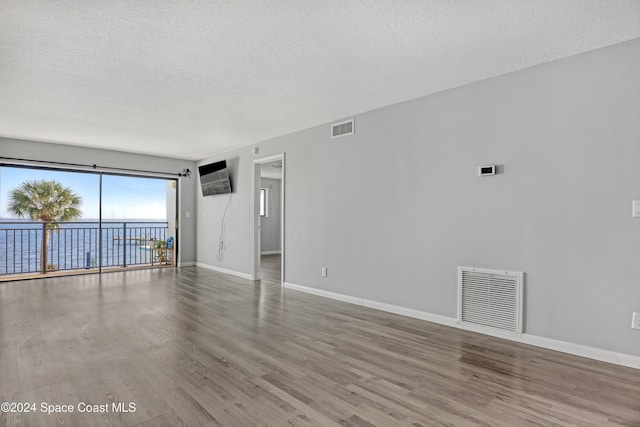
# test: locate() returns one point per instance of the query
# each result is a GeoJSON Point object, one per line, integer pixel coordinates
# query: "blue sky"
{"type": "Point", "coordinates": [123, 197]}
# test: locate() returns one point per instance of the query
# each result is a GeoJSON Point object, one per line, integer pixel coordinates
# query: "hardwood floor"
{"type": "Point", "coordinates": [194, 347]}
{"type": "Point", "coordinates": [270, 268]}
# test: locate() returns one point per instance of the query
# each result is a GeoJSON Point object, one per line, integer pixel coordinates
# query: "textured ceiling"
{"type": "Point", "coordinates": [189, 79]}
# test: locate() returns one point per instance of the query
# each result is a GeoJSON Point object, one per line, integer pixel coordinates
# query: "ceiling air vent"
{"type": "Point", "coordinates": [342, 129]}
{"type": "Point", "coordinates": [490, 298]}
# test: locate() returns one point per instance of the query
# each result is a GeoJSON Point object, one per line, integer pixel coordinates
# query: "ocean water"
{"type": "Point", "coordinates": [76, 245]}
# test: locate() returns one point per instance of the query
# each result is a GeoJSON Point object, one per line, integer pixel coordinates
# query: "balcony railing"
{"type": "Point", "coordinates": [76, 245]}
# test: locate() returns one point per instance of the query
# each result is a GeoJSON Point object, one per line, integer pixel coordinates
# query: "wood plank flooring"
{"type": "Point", "coordinates": [194, 347]}
{"type": "Point", "coordinates": [270, 268]}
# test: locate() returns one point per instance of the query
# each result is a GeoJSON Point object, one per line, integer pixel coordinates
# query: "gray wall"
{"type": "Point", "coordinates": [270, 225]}
{"type": "Point", "coordinates": [71, 154]}
{"type": "Point", "coordinates": [393, 210]}
{"type": "Point", "coordinates": [210, 213]}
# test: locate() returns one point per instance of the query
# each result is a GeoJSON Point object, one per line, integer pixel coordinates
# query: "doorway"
{"type": "Point", "coordinates": [268, 216]}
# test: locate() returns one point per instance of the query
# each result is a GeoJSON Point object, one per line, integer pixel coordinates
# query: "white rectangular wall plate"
{"type": "Point", "coordinates": [636, 209]}
{"type": "Point", "coordinates": [635, 320]}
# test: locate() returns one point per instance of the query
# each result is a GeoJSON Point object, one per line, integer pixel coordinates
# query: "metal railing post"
{"type": "Point", "coordinates": [43, 259]}
{"type": "Point", "coordinates": [124, 246]}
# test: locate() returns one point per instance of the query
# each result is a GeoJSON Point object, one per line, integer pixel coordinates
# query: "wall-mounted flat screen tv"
{"type": "Point", "coordinates": [214, 178]}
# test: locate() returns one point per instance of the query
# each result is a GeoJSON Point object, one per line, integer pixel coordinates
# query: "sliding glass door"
{"type": "Point", "coordinates": [54, 221]}
{"type": "Point", "coordinates": [138, 221]}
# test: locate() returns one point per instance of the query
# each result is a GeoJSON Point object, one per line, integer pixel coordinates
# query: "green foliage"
{"type": "Point", "coordinates": [46, 201]}
{"type": "Point", "coordinates": [159, 244]}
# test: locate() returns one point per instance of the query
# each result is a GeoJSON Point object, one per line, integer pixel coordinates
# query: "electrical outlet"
{"type": "Point", "coordinates": [635, 323]}
{"type": "Point", "coordinates": [323, 271]}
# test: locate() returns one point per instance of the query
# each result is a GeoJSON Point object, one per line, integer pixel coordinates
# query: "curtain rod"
{"type": "Point", "coordinates": [185, 172]}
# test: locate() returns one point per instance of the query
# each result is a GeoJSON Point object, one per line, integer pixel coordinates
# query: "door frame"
{"type": "Point", "coordinates": [255, 216]}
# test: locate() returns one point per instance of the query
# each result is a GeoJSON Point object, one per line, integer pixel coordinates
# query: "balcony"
{"type": "Point", "coordinates": [78, 247]}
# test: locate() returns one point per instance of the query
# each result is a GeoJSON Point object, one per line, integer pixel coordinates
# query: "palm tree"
{"type": "Point", "coordinates": [45, 201]}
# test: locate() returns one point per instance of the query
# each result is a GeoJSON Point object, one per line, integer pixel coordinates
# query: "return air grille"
{"type": "Point", "coordinates": [490, 298]}
{"type": "Point", "coordinates": [342, 129]}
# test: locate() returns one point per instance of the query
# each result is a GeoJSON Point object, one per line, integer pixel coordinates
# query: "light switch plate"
{"type": "Point", "coordinates": [636, 209]}
{"type": "Point", "coordinates": [635, 321]}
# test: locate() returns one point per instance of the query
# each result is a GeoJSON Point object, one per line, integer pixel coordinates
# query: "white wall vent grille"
{"type": "Point", "coordinates": [490, 298]}
{"type": "Point", "coordinates": [342, 129]}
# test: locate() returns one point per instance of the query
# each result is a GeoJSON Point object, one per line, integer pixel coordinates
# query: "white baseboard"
{"type": "Point", "coordinates": [326, 294]}
{"type": "Point", "coordinates": [186, 264]}
{"type": "Point", "coordinates": [613, 357]}
{"type": "Point", "coordinates": [582, 350]}
{"type": "Point", "coordinates": [270, 253]}
{"type": "Point", "coordinates": [409, 312]}
{"type": "Point", "coordinates": [630, 361]}
{"type": "Point", "coordinates": [224, 270]}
